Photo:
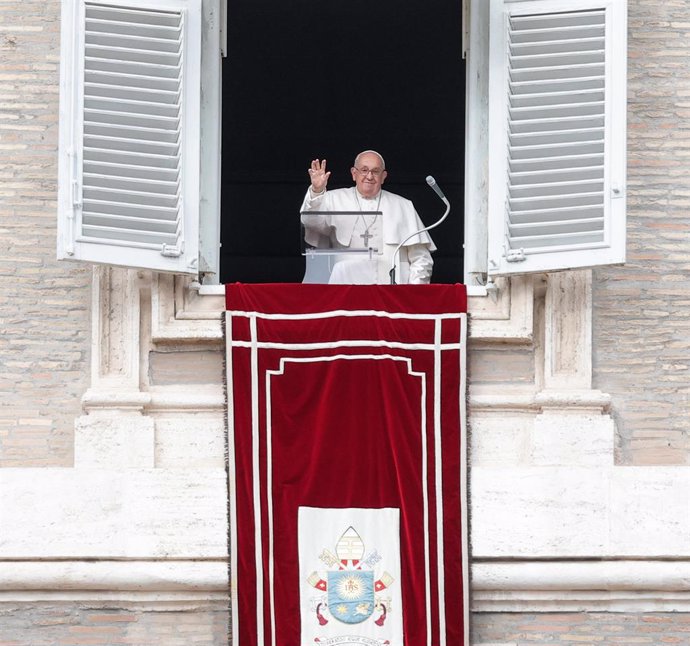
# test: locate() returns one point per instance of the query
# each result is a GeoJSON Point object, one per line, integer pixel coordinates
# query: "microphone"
{"type": "Point", "coordinates": [432, 183]}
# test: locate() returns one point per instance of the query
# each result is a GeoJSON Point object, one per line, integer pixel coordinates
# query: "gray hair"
{"type": "Point", "coordinates": [372, 152]}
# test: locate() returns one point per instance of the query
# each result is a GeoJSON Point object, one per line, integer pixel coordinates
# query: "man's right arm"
{"type": "Point", "coordinates": [313, 222]}
{"type": "Point", "coordinates": [314, 199]}
{"type": "Point", "coordinates": [318, 176]}
{"type": "Point", "coordinates": [317, 228]}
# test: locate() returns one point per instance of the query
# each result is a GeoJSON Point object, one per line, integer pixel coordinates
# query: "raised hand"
{"type": "Point", "coordinates": [318, 175]}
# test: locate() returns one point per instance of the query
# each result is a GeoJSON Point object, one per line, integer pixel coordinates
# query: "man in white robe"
{"type": "Point", "coordinates": [362, 231]}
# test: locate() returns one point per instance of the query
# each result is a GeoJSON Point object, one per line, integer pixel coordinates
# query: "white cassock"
{"type": "Point", "coordinates": [399, 220]}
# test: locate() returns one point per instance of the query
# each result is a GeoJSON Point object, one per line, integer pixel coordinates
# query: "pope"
{"type": "Point", "coordinates": [362, 230]}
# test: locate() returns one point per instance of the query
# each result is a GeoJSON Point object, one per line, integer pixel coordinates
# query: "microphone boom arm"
{"type": "Point", "coordinates": [432, 183]}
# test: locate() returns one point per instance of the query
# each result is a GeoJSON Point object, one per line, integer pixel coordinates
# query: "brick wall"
{"type": "Point", "coordinates": [581, 629]}
{"type": "Point", "coordinates": [68, 624]}
{"type": "Point", "coordinates": [65, 624]}
{"type": "Point", "coordinates": [44, 318]}
{"type": "Point", "coordinates": [642, 310]}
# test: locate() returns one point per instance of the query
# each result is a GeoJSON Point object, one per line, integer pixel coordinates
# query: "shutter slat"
{"type": "Point", "coordinates": [556, 202]}
{"type": "Point", "coordinates": [546, 163]}
{"type": "Point", "coordinates": [534, 37]}
{"type": "Point", "coordinates": [548, 124]}
{"type": "Point", "coordinates": [581, 135]}
{"type": "Point", "coordinates": [552, 59]}
{"type": "Point", "coordinates": [534, 229]}
{"type": "Point", "coordinates": [556, 150]}
{"type": "Point", "coordinates": [592, 40]}
{"type": "Point", "coordinates": [132, 184]}
{"type": "Point", "coordinates": [557, 188]}
{"type": "Point", "coordinates": [129, 197]}
{"type": "Point", "coordinates": [563, 85]}
{"type": "Point", "coordinates": [548, 22]}
{"type": "Point", "coordinates": [560, 241]}
{"type": "Point", "coordinates": [129, 43]}
{"type": "Point", "coordinates": [147, 17]}
{"type": "Point", "coordinates": [127, 55]}
{"type": "Point", "coordinates": [140, 224]}
{"type": "Point", "coordinates": [131, 145]}
{"type": "Point", "coordinates": [556, 175]}
{"type": "Point", "coordinates": [547, 111]}
{"type": "Point", "coordinates": [133, 159]}
{"type": "Point", "coordinates": [132, 69]}
{"type": "Point", "coordinates": [100, 77]}
{"type": "Point", "coordinates": [130, 119]}
{"type": "Point", "coordinates": [125, 132]}
{"type": "Point", "coordinates": [130, 210]}
{"type": "Point", "coordinates": [557, 98]}
{"type": "Point", "coordinates": [558, 215]}
{"type": "Point", "coordinates": [138, 237]}
{"type": "Point", "coordinates": [145, 108]}
{"type": "Point", "coordinates": [559, 73]}
{"type": "Point", "coordinates": [125, 170]}
{"type": "Point", "coordinates": [149, 30]}
{"type": "Point", "coordinates": [155, 95]}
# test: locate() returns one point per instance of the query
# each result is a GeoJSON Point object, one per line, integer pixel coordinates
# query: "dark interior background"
{"type": "Point", "coordinates": [311, 79]}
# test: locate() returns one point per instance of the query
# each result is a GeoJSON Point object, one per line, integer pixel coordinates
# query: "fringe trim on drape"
{"type": "Point", "coordinates": [226, 458]}
{"type": "Point", "coordinates": [468, 478]}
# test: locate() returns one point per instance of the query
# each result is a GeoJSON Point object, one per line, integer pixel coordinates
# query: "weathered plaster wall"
{"type": "Point", "coordinates": [642, 310]}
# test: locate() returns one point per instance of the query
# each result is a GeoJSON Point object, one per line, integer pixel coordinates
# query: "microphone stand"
{"type": "Point", "coordinates": [432, 183]}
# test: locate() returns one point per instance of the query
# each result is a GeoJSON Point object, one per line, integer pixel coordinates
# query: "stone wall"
{"type": "Point", "coordinates": [44, 304]}
{"type": "Point", "coordinates": [642, 309]}
{"type": "Point", "coordinates": [93, 624]}
{"type": "Point", "coordinates": [581, 629]}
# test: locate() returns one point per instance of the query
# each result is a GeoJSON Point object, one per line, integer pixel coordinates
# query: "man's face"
{"type": "Point", "coordinates": [369, 175]}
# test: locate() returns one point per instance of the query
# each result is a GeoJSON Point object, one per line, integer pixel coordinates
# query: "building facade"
{"type": "Point", "coordinates": [113, 489]}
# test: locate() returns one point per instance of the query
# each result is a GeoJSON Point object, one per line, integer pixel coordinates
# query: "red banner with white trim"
{"type": "Point", "coordinates": [346, 421]}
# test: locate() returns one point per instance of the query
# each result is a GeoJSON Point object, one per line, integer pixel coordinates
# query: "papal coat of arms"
{"type": "Point", "coordinates": [352, 590]}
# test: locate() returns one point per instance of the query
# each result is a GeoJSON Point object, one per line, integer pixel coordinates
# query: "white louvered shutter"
{"type": "Point", "coordinates": [129, 133]}
{"type": "Point", "coordinates": [557, 111]}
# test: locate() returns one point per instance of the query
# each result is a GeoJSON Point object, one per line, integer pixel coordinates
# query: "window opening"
{"type": "Point", "coordinates": [300, 83]}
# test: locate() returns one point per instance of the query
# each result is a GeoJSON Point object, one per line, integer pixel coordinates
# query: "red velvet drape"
{"type": "Point", "coordinates": [346, 396]}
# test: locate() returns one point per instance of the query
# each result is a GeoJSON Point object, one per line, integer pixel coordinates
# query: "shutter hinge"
{"type": "Point", "coordinates": [171, 251]}
{"type": "Point", "coordinates": [516, 255]}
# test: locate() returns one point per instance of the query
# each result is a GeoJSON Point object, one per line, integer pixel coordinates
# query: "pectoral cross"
{"type": "Point", "coordinates": [365, 236]}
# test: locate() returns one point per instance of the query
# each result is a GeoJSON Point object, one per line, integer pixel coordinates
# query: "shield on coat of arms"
{"type": "Point", "coordinates": [351, 595]}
